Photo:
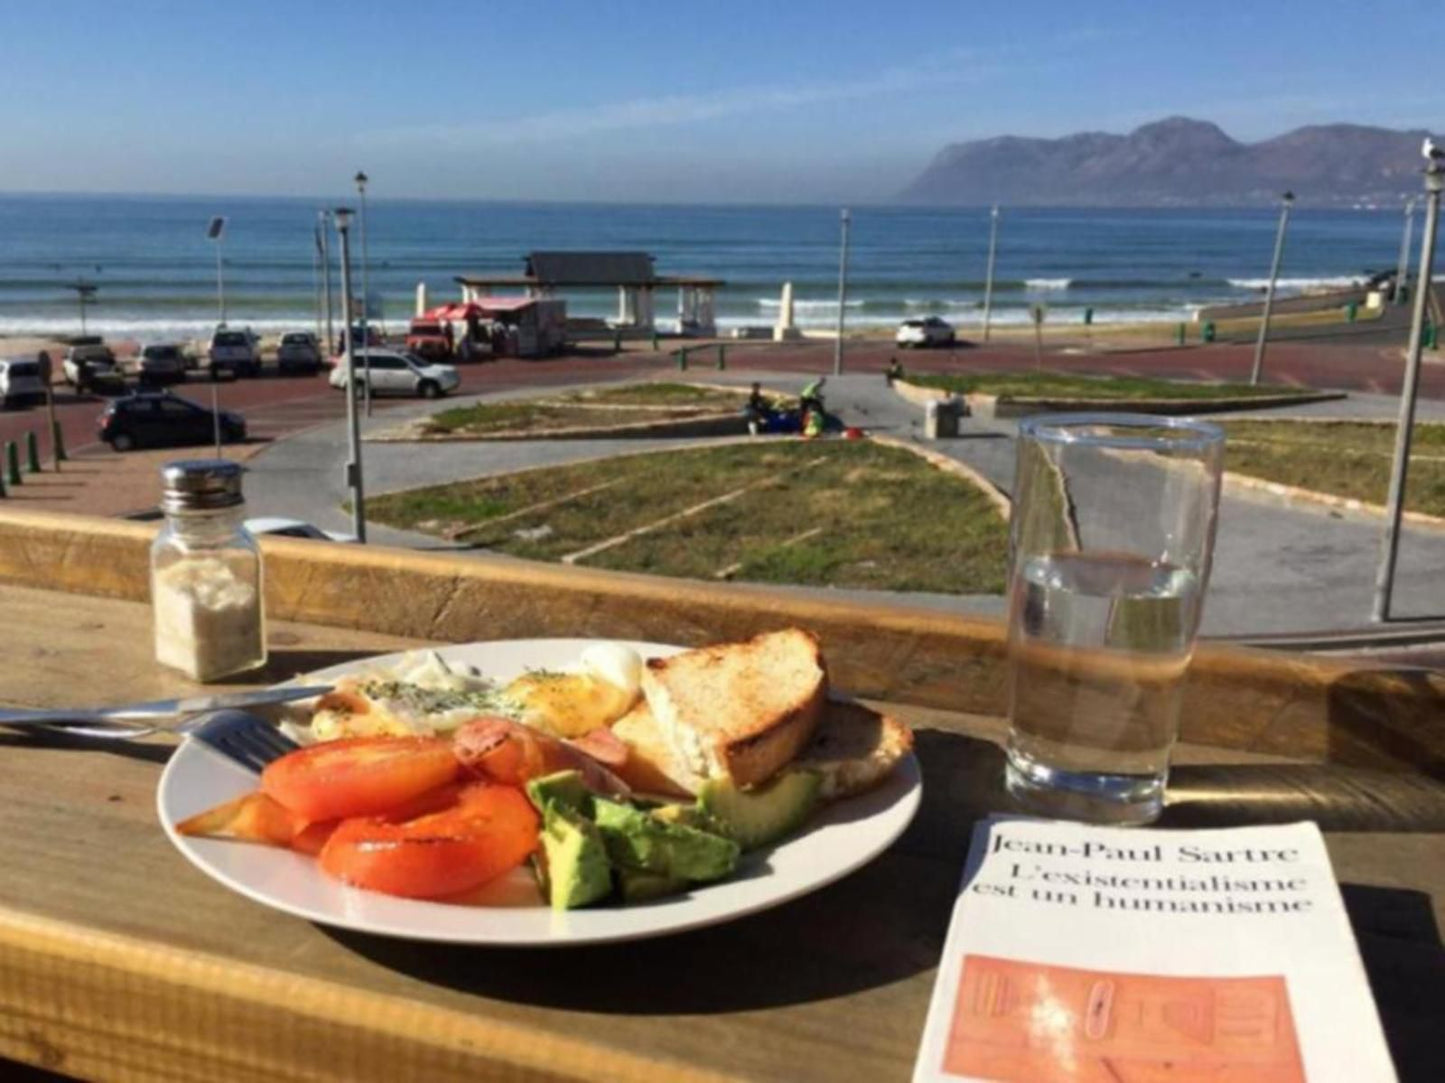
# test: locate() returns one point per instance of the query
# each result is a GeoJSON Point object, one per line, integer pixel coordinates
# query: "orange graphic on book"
{"type": "Point", "coordinates": [1019, 1022]}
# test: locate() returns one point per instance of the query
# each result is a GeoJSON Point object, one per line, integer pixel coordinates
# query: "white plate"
{"type": "Point", "coordinates": [841, 838]}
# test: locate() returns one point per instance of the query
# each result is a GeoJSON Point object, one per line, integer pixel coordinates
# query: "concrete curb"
{"type": "Point", "coordinates": [996, 497]}
{"type": "Point", "coordinates": [994, 406]}
{"type": "Point", "coordinates": [1291, 495]}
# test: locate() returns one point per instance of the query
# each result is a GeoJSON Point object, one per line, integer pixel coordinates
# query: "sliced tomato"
{"type": "Point", "coordinates": [489, 831]}
{"type": "Point", "coordinates": [361, 776]}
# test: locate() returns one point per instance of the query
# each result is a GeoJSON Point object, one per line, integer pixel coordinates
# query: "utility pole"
{"type": "Point", "coordinates": [361, 180]}
{"type": "Point", "coordinates": [1286, 201]}
{"type": "Point", "coordinates": [316, 258]}
{"type": "Point", "coordinates": [988, 279]}
{"type": "Point", "coordinates": [353, 420]}
{"type": "Point", "coordinates": [216, 231]}
{"type": "Point", "coordinates": [844, 218]}
{"type": "Point", "coordinates": [322, 220]}
{"type": "Point", "coordinates": [1385, 580]}
{"type": "Point", "coordinates": [1402, 275]}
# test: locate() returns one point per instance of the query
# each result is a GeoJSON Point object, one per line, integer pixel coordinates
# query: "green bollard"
{"type": "Point", "coordinates": [32, 452]}
{"type": "Point", "coordinates": [1207, 332]}
{"type": "Point", "coordinates": [12, 463]}
{"type": "Point", "coordinates": [1352, 310]}
{"type": "Point", "coordinates": [1180, 334]}
{"type": "Point", "coordinates": [1088, 317]}
{"type": "Point", "coordinates": [1430, 337]}
{"type": "Point", "coordinates": [654, 341]}
{"type": "Point", "coordinates": [682, 359]}
{"type": "Point", "coordinates": [58, 439]}
{"type": "Point", "coordinates": [722, 357]}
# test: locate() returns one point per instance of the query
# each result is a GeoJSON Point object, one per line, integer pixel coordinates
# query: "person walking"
{"type": "Point", "coordinates": [894, 373]}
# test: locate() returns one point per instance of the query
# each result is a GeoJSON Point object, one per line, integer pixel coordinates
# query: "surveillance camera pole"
{"type": "Point", "coordinates": [1286, 201]}
{"type": "Point", "coordinates": [988, 280]}
{"type": "Point", "coordinates": [1402, 275]}
{"type": "Point", "coordinates": [844, 219]}
{"type": "Point", "coordinates": [361, 179]}
{"type": "Point", "coordinates": [353, 421]}
{"type": "Point", "coordinates": [1385, 580]}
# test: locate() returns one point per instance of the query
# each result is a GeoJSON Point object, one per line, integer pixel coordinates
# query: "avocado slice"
{"type": "Point", "coordinates": [763, 814]}
{"type": "Point", "coordinates": [563, 788]}
{"type": "Point", "coordinates": [575, 869]}
{"type": "Point", "coordinates": [638, 840]}
{"type": "Point", "coordinates": [688, 816]}
{"type": "Point", "coordinates": [639, 885]}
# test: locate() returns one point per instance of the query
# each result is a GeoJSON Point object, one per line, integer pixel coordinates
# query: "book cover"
{"type": "Point", "coordinates": [1115, 955]}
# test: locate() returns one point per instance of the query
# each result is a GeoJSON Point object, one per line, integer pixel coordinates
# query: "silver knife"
{"type": "Point", "coordinates": [162, 708]}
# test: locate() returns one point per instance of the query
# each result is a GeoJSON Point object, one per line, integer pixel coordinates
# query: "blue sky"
{"type": "Point", "coordinates": [789, 100]}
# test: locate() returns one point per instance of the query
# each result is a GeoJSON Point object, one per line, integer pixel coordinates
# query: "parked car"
{"type": "Point", "coordinates": [98, 365]}
{"type": "Point", "coordinates": [161, 419]}
{"type": "Point", "coordinates": [929, 331]}
{"type": "Point", "coordinates": [278, 526]}
{"type": "Point", "coordinates": [158, 364]}
{"type": "Point", "coordinates": [400, 373]}
{"type": "Point", "coordinates": [299, 352]}
{"type": "Point", "coordinates": [20, 382]}
{"type": "Point", "coordinates": [430, 340]}
{"type": "Point", "coordinates": [234, 350]}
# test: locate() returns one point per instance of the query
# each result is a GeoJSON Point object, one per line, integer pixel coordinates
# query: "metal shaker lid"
{"type": "Point", "coordinates": [201, 485]}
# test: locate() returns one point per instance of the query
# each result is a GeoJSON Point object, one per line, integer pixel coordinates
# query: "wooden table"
{"type": "Point", "coordinates": [118, 960]}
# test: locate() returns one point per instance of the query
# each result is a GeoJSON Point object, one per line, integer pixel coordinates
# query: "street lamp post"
{"type": "Point", "coordinates": [361, 179]}
{"type": "Point", "coordinates": [1286, 201]}
{"type": "Point", "coordinates": [1390, 550]}
{"type": "Point", "coordinates": [323, 219]}
{"type": "Point", "coordinates": [988, 279]}
{"type": "Point", "coordinates": [1402, 275]}
{"type": "Point", "coordinates": [353, 421]}
{"type": "Point", "coordinates": [845, 218]}
{"type": "Point", "coordinates": [215, 232]}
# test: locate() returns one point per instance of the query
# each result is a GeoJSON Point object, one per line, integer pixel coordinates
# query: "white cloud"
{"type": "Point", "coordinates": [952, 67]}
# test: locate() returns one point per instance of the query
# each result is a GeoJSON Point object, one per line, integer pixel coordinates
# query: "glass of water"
{"type": "Point", "coordinates": [1111, 537]}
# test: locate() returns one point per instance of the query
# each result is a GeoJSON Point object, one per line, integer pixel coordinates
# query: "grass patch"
{"type": "Point", "coordinates": [1343, 459]}
{"type": "Point", "coordinates": [1046, 385]}
{"type": "Point", "coordinates": [888, 520]}
{"type": "Point", "coordinates": [629, 404]}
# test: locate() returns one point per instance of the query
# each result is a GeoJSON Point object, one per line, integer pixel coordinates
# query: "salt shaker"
{"type": "Point", "coordinates": [206, 582]}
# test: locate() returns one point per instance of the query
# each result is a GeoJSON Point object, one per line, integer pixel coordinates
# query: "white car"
{"type": "Point", "coordinates": [161, 363]}
{"type": "Point", "coordinates": [234, 350]}
{"type": "Point", "coordinates": [398, 374]}
{"type": "Point", "coordinates": [281, 527]}
{"type": "Point", "coordinates": [99, 362]}
{"type": "Point", "coordinates": [20, 382]}
{"type": "Point", "coordinates": [930, 331]}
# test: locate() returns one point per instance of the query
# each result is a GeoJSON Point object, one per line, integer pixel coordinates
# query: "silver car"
{"type": "Point", "coordinates": [157, 364]}
{"type": "Point", "coordinates": [20, 382]}
{"type": "Point", "coordinates": [399, 374]}
{"type": "Point", "coordinates": [298, 352]}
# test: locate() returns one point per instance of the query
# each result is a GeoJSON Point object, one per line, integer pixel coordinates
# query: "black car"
{"type": "Point", "coordinates": [162, 421]}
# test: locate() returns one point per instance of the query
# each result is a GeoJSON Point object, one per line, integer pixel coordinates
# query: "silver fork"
{"type": "Point", "coordinates": [246, 738]}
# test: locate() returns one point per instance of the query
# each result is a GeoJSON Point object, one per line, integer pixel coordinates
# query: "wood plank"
{"type": "Point", "coordinates": [1341, 710]}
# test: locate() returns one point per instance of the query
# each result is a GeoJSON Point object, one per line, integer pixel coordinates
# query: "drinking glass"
{"type": "Point", "coordinates": [1110, 543]}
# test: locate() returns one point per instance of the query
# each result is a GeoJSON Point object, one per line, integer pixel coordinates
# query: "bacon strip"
{"type": "Point", "coordinates": [509, 752]}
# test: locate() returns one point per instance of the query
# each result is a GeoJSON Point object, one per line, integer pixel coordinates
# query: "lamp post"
{"type": "Point", "coordinates": [988, 278]}
{"type": "Point", "coordinates": [353, 421]}
{"type": "Point", "coordinates": [844, 219]}
{"type": "Point", "coordinates": [361, 179]}
{"type": "Point", "coordinates": [1286, 201]}
{"type": "Point", "coordinates": [323, 219]}
{"type": "Point", "coordinates": [84, 295]}
{"type": "Point", "coordinates": [215, 232]}
{"type": "Point", "coordinates": [1402, 275]}
{"type": "Point", "coordinates": [1390, 550]}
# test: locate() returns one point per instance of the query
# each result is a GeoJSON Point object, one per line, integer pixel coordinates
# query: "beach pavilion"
{"type": "Point", "coordinates": [631, 274]}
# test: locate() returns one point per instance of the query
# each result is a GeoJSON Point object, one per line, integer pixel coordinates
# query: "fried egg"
{"type": "Point", "coordinates": [601, 690]}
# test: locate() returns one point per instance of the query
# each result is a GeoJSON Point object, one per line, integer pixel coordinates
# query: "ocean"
{"type": "Point", "coordinates": [156, 271]}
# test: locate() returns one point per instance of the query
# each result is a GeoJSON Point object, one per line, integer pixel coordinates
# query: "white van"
{"type": "Point", "coordinates": [20, 382]}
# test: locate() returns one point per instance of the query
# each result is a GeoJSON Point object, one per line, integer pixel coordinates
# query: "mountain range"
{"type": "Point", "coordinates": [1177, 162]}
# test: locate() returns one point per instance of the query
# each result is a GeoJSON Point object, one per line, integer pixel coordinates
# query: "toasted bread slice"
{"type": "Point", "coordinates": [651, 765]}
{"type": "Point", "coordinates": [739, 711]}
{"type": "Point", "coordinates": [854, 749]}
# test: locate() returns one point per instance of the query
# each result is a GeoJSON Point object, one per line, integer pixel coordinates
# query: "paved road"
{"type": "Point", "coordinates": [1277, 569]}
